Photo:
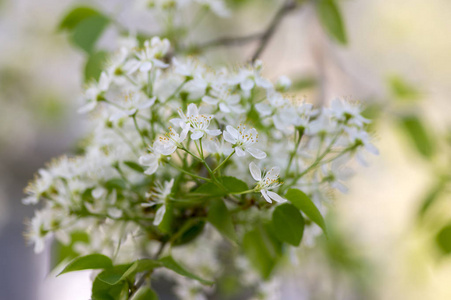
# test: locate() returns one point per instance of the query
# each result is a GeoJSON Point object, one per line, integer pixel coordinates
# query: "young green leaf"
{"type": "Point", "coordinates": [171, 264]}
{"type": "Point", "coordinates": [418, 134]}
{"type": "Point", "coordinates": [219, 217]}
{"type": "Point", "coordinates": [331, 19]}
{"type": "Point", "coordinates": [443, 239]}
{"type": "Point", "coordinates": [134, 166]}
{"type": "Point", "coordinates": [261, 250]}
{"type": "Point", "coordinates": [233, 185]}
{"type": "Point", "coordinates": [88, 31]}
{"type": "Point", "coordinates": [105, 291]}
{"type": "Point", "coordinates": [117, 273]}
{"type": "Point", "coordinates": [115, 183]}
{"type": "Point", "coordinates": [92, 261]}
{"type": "Point", "coordinates": [75, 16]}
{"type": "Point", "coordinates": [94, 65]}
{"type": "Point", "coordinates": [303, 202]}
{"type": "Point", "coordinates": [288, 224]}
{"type": "Point", "coordinates": [145, 293]}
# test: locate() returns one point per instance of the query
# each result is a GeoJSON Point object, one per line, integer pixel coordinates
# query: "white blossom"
{"type": "Point", "coordinates": [267, 181]}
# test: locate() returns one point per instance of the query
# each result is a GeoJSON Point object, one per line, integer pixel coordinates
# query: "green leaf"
{"type": "Point", "coordinates": [166, 224]}
{"type": "Point", "coordinates": [443, 239]}
{"type": "Point", "coordinates": [88, 31]}
{"type": "Point", "coordinates": [261, 249]}
{"type": "Point", "coordinates": [189, 231]}
{"type": "Point", "coordinates": [403, 90]}
{"type": "Point", "coordinates": [115, 184]}
{"type": "Point", "coordinates": [432, 195]}
{"type": "Point", "coordinates": [92, 261]}
{"type": "Point", "coordinates": [304, 83]}
{"type": "Point", "coordinates": [233, 185]}
{"type": "Point", "coordinates": [145, 293]}
{"type": "Point", "coordinates": [105, 291]}
{"type": "Point", "coordinates": [418, 135]}
{"type": "Point", "coordinates": [288, 224]}
{"type": "Point", "coordinates": [75, 16]}
{"type": "Point", "coordinates": [94, 65]}
{"type": "Point", "coordinates": [219, 217]}
{"type": "Point", "coordinates": [116, 274]}
{"type": "Point", "coordinates": [331, 19]}
{"type": "Point", "coordinates": [134, 166]}
{"type": "Point", "coordinates": [171, 264]}
{"type": "Point", "coordinates": [61, 252]}
{"type": "Point", "coordinates": [303, 202]}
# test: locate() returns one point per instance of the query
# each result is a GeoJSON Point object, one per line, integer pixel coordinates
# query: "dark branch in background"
{"type": "Point", "coordinates": [262, 37]}
{"type": "Point", "coordinates": [286, 8]}
{"type": "Point", "coordinates": [231, 41]}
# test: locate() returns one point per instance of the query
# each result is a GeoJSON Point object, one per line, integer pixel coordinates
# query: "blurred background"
{"type": "Point", "coordinates": [391, 235]}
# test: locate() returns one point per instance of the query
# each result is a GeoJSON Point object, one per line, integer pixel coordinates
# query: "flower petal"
{"type": "Point", "coordinates": [159, 215]}
{"type": "Point", "coordinates": [257, 153]}
{"type": "Point", "coordinates": [276, 197]}
{"type": "Point", "coordinates": [228, 137]}
{"type": "Point", "coordinates": [233, 132]}
{"type": "Point", "coordinates": [197, 135]}
{"type": "Point", "coordinates": [265, 195]}
{"type": "Point", "coordinates": [213, 132]}
{"type": "Point", "coordinates": [255, 171]}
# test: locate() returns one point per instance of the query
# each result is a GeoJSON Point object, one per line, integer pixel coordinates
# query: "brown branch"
{"type": "Point", "coordinates": [268, 33]}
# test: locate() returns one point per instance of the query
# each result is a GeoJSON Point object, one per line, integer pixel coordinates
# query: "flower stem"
{"type": "Point", "coordinates": [223, 162]}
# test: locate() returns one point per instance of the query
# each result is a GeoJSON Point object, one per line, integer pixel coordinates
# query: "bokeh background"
{"type": "Point", "coordinates": [385, 243]}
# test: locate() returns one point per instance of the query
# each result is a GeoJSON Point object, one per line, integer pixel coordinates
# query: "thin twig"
{"type": "Point", "coordinates": [286, 8]}
{"type": "Point", "coordinates": [232, 41]}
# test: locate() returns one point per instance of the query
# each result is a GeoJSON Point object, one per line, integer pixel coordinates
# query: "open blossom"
{"type": "Point", "coordinates": [150, 56]}
{"type": "Point", "coordinates": [226, 102]}
{"type": "Point", "coordinates": [131, 104]}
{"type": "Point", "coordinates": [151, 161]}
{"type": "Point", "coordinates": [243, 140]}
{"type": "Point", "coordinates": [95, 92]}
{"type": "Point", "coordinates": [166, 145]}
{"type": "Point", "coordinates": [346, 112]}
{"type": "Point", "coordinates": [159, 195]}
{"type": "Point", "coordinates": [196, 123]}
{"type": "Point", "coordinates": [267, 181]}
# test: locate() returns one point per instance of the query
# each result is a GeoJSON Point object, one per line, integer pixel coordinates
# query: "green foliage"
{"type": "Point", "coordinates": [418, 135]}
{"type": "Point", "coordinates": [145, 293]}
{"type": "Point", "coordinates": [105, 291]}
{"type": "Point", "coordinates": [232, 185]}
{"type": "Point", "coordinates": [443, 239]}
{"type": "Point", "coordinates": [192, 229]}
{"type": "Point", "coordinates": [92, 261]}
{"type": "Point", "coordinates": [288, 224]}
{"type": "Point", "coordinates": [115, 183]}
{"type": "Point", "coordinates": [61, 252]}
{"type": "Point", "coordinates": [168, 218]}
{"type": "Point", "coordinates": [262, 249]}
{"type": "Point", "coordinates": [303, 202]}
{"type": "Point", "coordinates": [432, 195]}
{"type": "Point", "coordinates": [88, 31]}
{"type": "Point", "coordinates": [134, 166]}
{"type": "Point", "coordinates": [403, 90]}
{"type": "Point", "coordinates": [220, 218]}
{"type": "Point", "coordinates": [304, 83]}
{"type": "Point", "coordinates": [116, 274]}
{"type": "Point", "coordinates": [331, 19]}
{"type": "Point", "coordinates": [94, 65]}
{"type": "Point", "coordinates": [75, 16]}
{"type": "Point", "coordinates": [171, 264]}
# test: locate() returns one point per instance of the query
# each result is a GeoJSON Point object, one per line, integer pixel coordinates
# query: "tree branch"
{"type": "Point", "coordinates": [268, 33]}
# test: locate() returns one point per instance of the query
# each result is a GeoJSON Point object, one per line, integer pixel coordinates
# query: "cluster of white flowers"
{"type": "Point", "coordinates": [136, 169]}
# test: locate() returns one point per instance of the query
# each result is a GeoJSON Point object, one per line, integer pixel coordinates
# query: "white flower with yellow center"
{"type": "Point", "coordinates": [149, 57]}
{"type": "Point", "coordinates": [267, 181]}
{"type": "Point", "coordinates": [166, 145]}
{"type": "Point", "coordinates": [243, 140]}
{"type": "Point", "coordinates": [159, 195]}
{"type": "Point", "coordinates": [195, 122]}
